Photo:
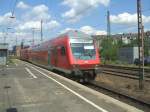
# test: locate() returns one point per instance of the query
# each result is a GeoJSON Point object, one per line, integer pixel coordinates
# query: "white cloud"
{"type": "Point", "coordinates": [28, 19]}
{"type": "Point", "coordinates": [32, 19]}
{"type": "Point", "coordinates": [78, 7]}
{"type": "Point", "coordinates": [127, 19]}
{"type": "Point", "coordinates": [51, 25]}
{"type": "Point", "coordinates": [92, 31]}
{"type": "Point", "coordinates": [22, 5]}
{"type": "Point", "coordinates": [146, 19]}
{"type": "Point", "coordinates": [29, 25]}
{"type": "Point", "coordinates": [37, 24]}
{"type": "Point", "coordinates": [37, 13]}
{"type": "Point", "coordinates": [101, 32]}
{"type": "Point", "coordinates": [88, 30]}
{"type": "Point", "coordinates": [66, 30]}
{"type": "Point", "coordinates": [6, 20]}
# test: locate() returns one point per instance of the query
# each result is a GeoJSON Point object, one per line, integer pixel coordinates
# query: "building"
{"type": "Point", "coordinates": [3, 53]}
{"type": "Point", "coordinates": [18, 49]}
{"type": "Point", "coordinates": [125, 37]}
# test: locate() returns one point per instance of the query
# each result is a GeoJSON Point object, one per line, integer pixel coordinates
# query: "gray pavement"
{"type": "Point", "coordinates": [31, 89]}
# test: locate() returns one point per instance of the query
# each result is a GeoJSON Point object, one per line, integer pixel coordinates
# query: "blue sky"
{"type": "Point", "coordinates": [59, 16]}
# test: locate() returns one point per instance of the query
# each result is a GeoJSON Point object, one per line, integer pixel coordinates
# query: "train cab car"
{"type": "Point", "coordinates": [84, 56]}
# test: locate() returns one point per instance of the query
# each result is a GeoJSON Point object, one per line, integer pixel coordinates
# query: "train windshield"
{"type": "Point", "coordinates": [84, 51]}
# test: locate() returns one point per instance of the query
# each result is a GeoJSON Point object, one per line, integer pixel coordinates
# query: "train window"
{"type": "Point", "coordinates": [63, 51]}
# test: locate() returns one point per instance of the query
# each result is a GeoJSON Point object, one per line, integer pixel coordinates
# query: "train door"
{"type": "Point", "coordinates": [55, 56]}
{"type": "Point", "coordinates": [49, 56]}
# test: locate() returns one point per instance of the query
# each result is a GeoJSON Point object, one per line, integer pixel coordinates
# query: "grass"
{"type": "Point", "coordinates": [11, 60]}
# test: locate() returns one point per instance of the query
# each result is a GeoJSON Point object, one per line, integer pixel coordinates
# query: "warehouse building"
{"type": "Point", "coordinates": [128, 54]}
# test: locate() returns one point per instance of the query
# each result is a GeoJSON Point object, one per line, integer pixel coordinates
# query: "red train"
{"type": "Point", "coordinates": [74, 53]}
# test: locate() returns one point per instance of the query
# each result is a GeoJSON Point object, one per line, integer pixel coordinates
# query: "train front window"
{"type": "Point", "coordinates": [84, 51]}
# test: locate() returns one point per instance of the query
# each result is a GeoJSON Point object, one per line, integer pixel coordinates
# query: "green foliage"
{"type": "Point", "coordinates": [109, 49]}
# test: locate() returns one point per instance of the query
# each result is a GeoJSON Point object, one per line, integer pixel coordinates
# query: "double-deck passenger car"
{"type": "Point", "coordinates": [73, 53]}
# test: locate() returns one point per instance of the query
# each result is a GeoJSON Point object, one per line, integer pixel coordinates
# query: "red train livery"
{"type": "Point", "coordinates": [74, 53]}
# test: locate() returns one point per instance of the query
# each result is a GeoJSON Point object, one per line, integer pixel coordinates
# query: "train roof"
{"type": "Point", "coordinates": [72, 34]}
{"type": "Point", "coordinates": [75, 34]}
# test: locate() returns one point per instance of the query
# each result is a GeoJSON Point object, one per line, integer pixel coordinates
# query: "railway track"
{"type": "Point", "coordinates": [127, 72]}
{"type": "Point", "coordinates": [120, 95]}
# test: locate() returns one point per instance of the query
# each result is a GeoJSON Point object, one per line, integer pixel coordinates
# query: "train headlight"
{"type": "Point", "coordinates": [75, 66]}
{"type": "Point", "coordinates": [96, 66]}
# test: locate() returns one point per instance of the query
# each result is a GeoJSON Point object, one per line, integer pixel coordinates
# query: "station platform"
{"type": "Point", "coordinates": [27, 88]}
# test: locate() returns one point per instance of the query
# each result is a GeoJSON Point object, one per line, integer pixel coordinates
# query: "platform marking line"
{"type": "Point", "coordinates": [28, 70]}
{"type": "Point", "coordinates": [75, 93]}
{"type": "Point", "coordinates": [10, 68]}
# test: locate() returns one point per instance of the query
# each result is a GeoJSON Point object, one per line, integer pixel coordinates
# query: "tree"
{"type": "Point", "coordinates": [109, 49]}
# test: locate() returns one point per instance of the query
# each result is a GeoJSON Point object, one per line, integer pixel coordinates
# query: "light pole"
{"type": "Point", "coordinates": [108, 24]}
{"type": "Point", "coordinates": [41, 30]}
{"type": "Point", "coordinates": [13, 11]}
{"type": "Point", "coordinates": [33, 34]}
